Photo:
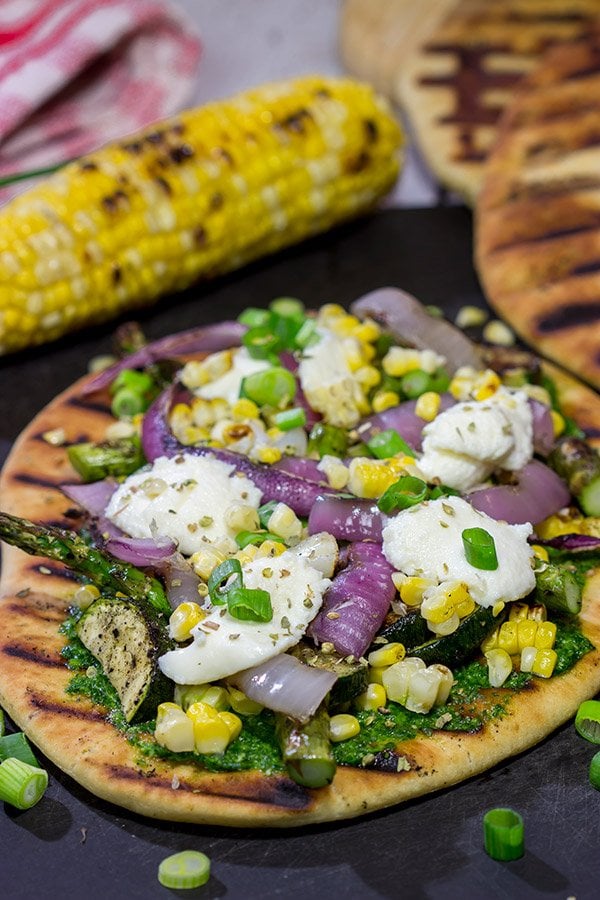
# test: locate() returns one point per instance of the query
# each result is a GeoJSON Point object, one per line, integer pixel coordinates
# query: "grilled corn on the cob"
{"type": "Point", "coordinates": [191, 197]}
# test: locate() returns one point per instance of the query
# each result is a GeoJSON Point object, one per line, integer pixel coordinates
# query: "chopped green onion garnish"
{"type": "Point", "coordinates": [480, 548]}
{"type": "Point", "coordinates": [188, 869]}
{"type": "Point", "coordinates": [261, 342]}
{"type": "Point", "coordinates": [265, 512]}
{"type": "Point", "coordinates": [138, 382]}
{"type": "Point", "coordinates": [407, 491]}
{"type": "Point", "coordinates": [290, 418]}
{"type": "Point", "coordinates": [219, 576]}
{"type": "Point", "coordinates": [249, 604]}
{"type": "Point", "coordinates": [587, 721]}
{"type": "Point", "coordinates": [243, 538]}
{"type": "Point", "coordinates": [388, 443]}
{"type": "Point", "coordinates": [415, 383]}
{"type": "Point", "coordinates": [21, 785]}
{"type": "Point", "coordinates": [595, 771]}
{"type": "Point", "coordinates": [16, 746]}
{"type": "Point", "coordinates": [126, 403]}
{"type": "Point", "coordinates": [442, 490]}
{"type": "Point", "coordinates": [439, 381]}
{"type": "Point", "coordinates": [307, 335]}
{"type": "Point", "coordinates": [253, 316]}
{"type": "Point", "coordinates": [288, 308]}
{"type": "Point", "coordinates": [503, 834]}
{"type": "Point", "coordinates": [274, 387]}
{"type": "Point", "coordinates": [327, 440]}
{"type": "Point", "coordinates": [383, 344]}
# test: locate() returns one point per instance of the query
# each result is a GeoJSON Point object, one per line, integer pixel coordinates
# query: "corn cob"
{"type": "Point", "coordinates": [189, 198]}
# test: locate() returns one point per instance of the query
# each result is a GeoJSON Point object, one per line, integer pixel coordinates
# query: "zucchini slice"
{"type": "Point", "coordinates": [454, 649]}
{"type": "Point", "coordinates": [352, 675]}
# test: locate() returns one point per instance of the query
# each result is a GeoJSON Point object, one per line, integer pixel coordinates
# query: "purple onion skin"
{"type": "Point", "coordinates": [543, 429]}
{"type": "Point", "coordinates": [93, 497]}
{"type": "Point", "coordinates": [403, 419]}
{"type": "Point", "coordinates": [574, 543]}
{"type": "Point", "coordinates": [286, 685]}
{"type": "Point", "coordinates": [302, 466]}
{"type": "Point", "coordinates": [140, 551]}
{"type": "Point", "coordinates": [540, 493]}
{"type": "Point", "coordinates": [360, 595]}
{"type": "Point", "coordinates": [346, 519]}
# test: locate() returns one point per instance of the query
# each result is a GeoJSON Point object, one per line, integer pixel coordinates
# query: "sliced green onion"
{"type": "Point", "coordinates": [406, 492]}
{"type": "Point", "coordinates": [188, 869]}
{"type": "Point", "coordinates": [415, 383]}
{"type": "Point", "coordinates": [307, 335]}
{"type": "Point", "coordinates": [274, 387]}
{"type": "Point", "coordinates": [503, 834]}
{"type": "Point", "coordinates": [16, 746]}
{"type": "Point", "coordinates": [359, 449]}
{"type": "Point", "coordinates": [260, 341]}
{"type": "Point", "coordinates": [138, 382]}
{"type": "Point", "coordinates": [587, 721]}
{"type": "Point", "coordinates": [243, 538]}
{"type": "Point", "coordinates": [249, 604]}
{"type": "Point", "coordinates": [480, 548]}
{"type": "Point", "coordinates": [595, 771]}
{"type": "Point", "coordinates": [383, 344]}
{"type": "Point", "coordinates": [219, 576]}
{"type": "Point", "coordinates": [288, 308]}
{"type": "Point", "coordinates": [265, 512]}
{"type": "Point", "coordinates": [127, 403]}
{"type": "Point", "coordinates": [388, 443]}
{"type": "Point", "coordinates": [439, 381]}
{"type": "Point", "coordinates": [327, 440]}
{"type": "Point", "coordinates": [290, 418]}
{"type": "Point", "coordinates": [21, 785]}
{"type": "Point", "coordinates": [442, 490]}
{"type": "Point", "coordinates": [253, 316]}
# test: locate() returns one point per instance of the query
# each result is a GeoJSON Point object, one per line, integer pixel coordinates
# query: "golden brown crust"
{"type": "Point", "coordinates": [538, 215]}
{"type": "Point", "coordinates": [74, 734]}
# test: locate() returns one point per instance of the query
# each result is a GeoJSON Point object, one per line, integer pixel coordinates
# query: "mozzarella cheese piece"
{"type": "Point", "coordinates": [463, 445]}
{"type": "Point", "coordinates": [228, 386]}
{"type": "Point", "coordinates": [328, 383]}
{"type": "Point", "coordinates": [184, 498]}
{"type": "Point", "coordinates": [426, 540]}
{"type": "Point", "coordinates": [224, 645]}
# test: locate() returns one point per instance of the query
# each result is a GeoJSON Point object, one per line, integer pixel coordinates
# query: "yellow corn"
{"type": "Point", "coordinates": [516, 634]}
{"type": "Point", "coordinates": [244, 409]}
{"type": "Point", "coordinates": [486, 385]}
{"type": "Point", "coordinates": [539, 662]}
{"type": "Point", "coordinates": [211, 732]}
{"type": "Point", "coordinates": [216, 696]}
{"type": "Point", "coordinates": [183, 619]}
{"type": "Point", "coordinates": [540, 552]}
{"type": "Point", "coordinates": [243, 704]}
{"type": "Point", "coordinates": [205, 560]}
{"type": "Point", "coordinates": [342, 727]}
{"type": "Point", "coordinates": [85, 595]}
{"type": "Point", "coordinates": [197, 373]}
{"type": "Point", "coordinates": [444, 601]}
{"type": "Point", "coordinates": [270, 548]}
{"type": "Point", "coordinates": [174, 730]}
{"type": "Point", "coordinates": [233, 723]}
{"type": "Point", "coordinates": [385, 400]}
{"type": "Point", "coordinates": [558, 423]}
{"type": "Point", "coordinates": [241, 517]}
{"type": "Point", "coordinates": [428, 406]}
{"type": "Point", "coordinates": [387, 655]}
{"type": "Point", "coordinates": [470, 316]}
{"type": "Point", "coordinates": [412, 589]}
{"type": "Point", "coordinates": [199, 194]}
{"type": "Point", "coordinates": [284, 522]}
{"type": "Point", "coordinates": [369, 478]}
{"type": "Point", "coordinates": [499, 666]}
{"type": "Point", "coordinates": [508, 638]}
{"type": "Point", "coordinates": [374, 697]}
{"type": "Point", "coordinates": [336, 472]}
{"type": "Point", "coordinates": [269, 455]}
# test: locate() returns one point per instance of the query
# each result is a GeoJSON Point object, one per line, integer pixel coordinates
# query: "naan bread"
{"type": "Point", "coordinates": [456, 83]}
{"type": "Point", "coordinates": [538, 215]}
{"type": "Point", "coordinates": [74, 734]}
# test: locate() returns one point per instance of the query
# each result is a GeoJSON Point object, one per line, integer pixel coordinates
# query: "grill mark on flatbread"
{"type": "Point", "coordinates": [49, 570]}
{"type": "Point", "coordinates": [520, 193]}
{"type": "Point", "coordinates": [550, 234]}
{"type": "Point", "coordinates": [74, 711]}
{"type": "Point", "coordinates": [28, 610]}
{"type": "Point", "coordinates": [31, 655]}
{"type": "Point", "coordinates": [90, 405]}
{"type": "Point", "coordinates": [570, 315]}
{"type": "Point", "coordinates": [587, 268]}
{"type": "Point", "coordinates": [35, 480]}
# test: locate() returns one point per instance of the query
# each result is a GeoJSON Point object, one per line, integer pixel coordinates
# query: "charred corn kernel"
{"type": "Point", "coordinates": [448, 626]}
{"type": "Point", "coordinates": [342, 727]}
{"type": "Point", "coordinates": [526, 633]}
{"type": "Point", "coordinates": [558, 423]}
{"type": "Point", "coordinates": [211, 733]}
{"type": "Point", "coordinates": [440, 602]}
{"type": "Point", "coordinates": [545, 636]}
{"type": "Point", "coordinates": [374, 697]}
{"type": "Point", "coordinates": [85, 595]}
{"type": "Point", "coordinates": [463, 382]}
{"type": "Point", "coordinates": [518, 611]}
{"type": "Point", "coordinates": [499, 666]}
{"type": "Point", "coordinates": [174, 730]}
{"type": "Point", "coordinates": [428, 405]}
{"type": "Point", "coordinates": [367, 331]}
{"type": "Point", "coordinates": [241, 517]}
{"type": "Point", "coordinates": [383, 400]}
{"type": "Point", "coordinates": [202, 413]}
{"type": "Point", "coordinates": [205, 560]}
{"type": "Point", "coordinates": [556, 525]}
{"type": "Point", "coordinates": [413, 588]}
{"type": "Point", "coordinates": [284, 522]}
{"type": "Point", "coordinates": [183, 619]}
{"type": "Point", "coordinates": [239, 178]}
{"type": "Point", "coordinates": [508, 638]}
{"type": "Point", "coordinates": [368, 377]}
{"type": "Point", "coordinates": [233, 722]}
{"type": "Point", "coordinates": [369, 478]}
{"type": "Point", "coordinates": [244, 409]}
{"type": "Point", "coordinates": [544, 663]}
{"type": "Point", "coordinates": [269, 455]}
{"type": "Point", "coordinates": [486, 385]}
{"type": "Point", "coordinates": [238, 433]}
{"type": "Point", "coordinates": [470, 317]}
{"type": "Point", "coordinates": [387, 655]}
{"type": "Point", "coordinates": [423, 690]}
{"type": "Point", "coordinates": [335, 471]}
{"type": "Point", "coordinates": [491, 641]}
{"type": "Point", "coordinates": [376, 674]}
{"type": "Point", "coordinates": [242, 704]}
{"type": "Point", "coordinates": [216, 696]}
{"type": "Point", "coordinates": [198, 373]}
{"type": "Point", "coordinates": [270, 548]}
{"type": "Point", "coordinates": [538, 612]}
{"type": "Point", "coordinates": [396, 679]}
{"type": "Point", "coordinates": [540, 552]}
{"type": "Point", "coordinates": [496, 332]}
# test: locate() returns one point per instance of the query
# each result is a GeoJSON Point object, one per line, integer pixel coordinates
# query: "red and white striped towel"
{"type": "Point", "coordinates": [75, 74]}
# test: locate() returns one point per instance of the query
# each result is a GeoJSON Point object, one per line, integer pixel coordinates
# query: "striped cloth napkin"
{"type": "Point", "coordinates": [75, 74]}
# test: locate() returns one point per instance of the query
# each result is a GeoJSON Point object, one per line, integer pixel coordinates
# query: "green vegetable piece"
{"type": "Point", "coordinates": [265, 512]}
{"type": "Point", "coordinates": [288, 308]}
{"type": "Point", "coordinates": [261, 342]}
{"type": "Point", "coordinates": [21, 785]}
{"type": "Point", "coordinates": [253, 317]}
{"type": "Point", "coordinates": [406, 492]}
{"type": "Point", "coordinates": [127, 403]}
{"type": "Point", "coordinates": [273, 387]}
{"type": "Point", "coordinates": [415, 383]}
{"type": "Point", "coordinates": [579, 464]}
{"type": "Point", "coordinates": [181, 871]}
{"type": "Point", "coordinates": [249, 604]}
{"type": "Point", "coordinates": [503, 834]}
{"type": "Point", "coordinates": [243, 538]}
{"type": "Point", "coordinates": [139, 382]}
{"type": "Point", "coordinates": [219, 576]}
{"type": "Point", "coordinates": [587, 721]}
{"type": "Point", "coordinates": [558, 588]}
{"type": "Point", "coordinates": [595, 771]}
{"type": "Point", "coordinates": [439, 381]}
{"type": "Point", "coordinates": [480, 549]}
{"type": "Point", "coordinates": [307, 335]}
{"type": "Point", "coordinates": [327, 440]}
{"type": "Point", "coordinates": [306, 749]}
{"type": "Point", "coordinates": [388, 443]}
{"type": "Point", "coordinates": [290, 418]}
{"type": "Point", "coordinates": [95, 462]}
{"type": "Point", "coordinates": [16, 746]}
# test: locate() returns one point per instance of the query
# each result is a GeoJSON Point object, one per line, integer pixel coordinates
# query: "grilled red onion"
{"type": "Point", "coordinates": [403, 419]}
{"type": "Point", "coordinates": [302, 466]}
{"type": "Point", "coordinates": [140, 551]}
{"type": "Point", "coordinates": [359, 597]}
{"type": "Point", "coordinates": [574, 543]}
{"type": "Point", "coordinates": [543, 429]}
{"type": "Point", "coordinates": [539, 493]}
{"type": "Point", "coordinates": [347, 519]}
{"type": "Point", "coordinates": [286, 685]}
{"type": "Point", "coordinates": [206, 339]}
{"type": "Point", "coordinates": [181, 582]}
{"type": "Point", "coordinates": [408, 321]}
{"type": "Point", "coordinates": [94, 497]}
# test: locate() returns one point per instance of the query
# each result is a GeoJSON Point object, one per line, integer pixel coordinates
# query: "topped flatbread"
{"type": "Point", "coordinates": [405, 749]}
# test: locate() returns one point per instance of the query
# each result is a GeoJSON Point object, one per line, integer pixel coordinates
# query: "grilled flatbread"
{"type": "Point", "coordinates": [74, 733]}
{"type": "Point", "coordinates": [538, 215]}
{"type": "Point", "coordinates": [455, 85]}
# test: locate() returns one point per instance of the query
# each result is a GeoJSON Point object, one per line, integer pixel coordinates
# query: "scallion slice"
{"type": "Point", "coordinates": [587, 721]}
{"type": "Point", "coordinates": [415, 383]}
{"type": "Point", "coordinates": [219, 576]}
{"type": "Point", "coordinates": [273, 387]}
{"type": "Point", "coordinates": [253, 316]}
{"type": "Point", "coordinates": [21, 785]}
{"type": "Point", "coordinates": [290, 418]}
{"type": "Point", "coordinates": [503, 834]}
{"type": "Point", "coordinates": [327, 440]}
{"type": "Point", "coordinates": [406, 492]}
{"type": "Point", "coordinates": [388, 443]}
{"type": "Point", "coordinates": [249, 604]}
{"type": "Point", "coordinates": [261, 342]}
{"type": "Point", "coordinates": [288, 308]}
{"type": "Point", "coordinates": [265, 512]}
{"type": "Point", "coordinates": [126, 403]}
{"type": "Point", "coordinates": [188, 869]}
{"type": "Point", "coordinates": [480, 549]}
{"type": "Point", "coordinates": [16, 746]}
{"type": "Point", "coordinates": [243, 538]}
{"type": "Point", "coordinates": [138, 382]}
{"type": "Point", "coordinates": [595, 771]}
{"type": "Point", "coordinates": [307, 334]}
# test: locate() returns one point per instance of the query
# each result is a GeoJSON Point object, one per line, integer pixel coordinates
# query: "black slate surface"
{"type": "Point", "coordinates": [73, 845]}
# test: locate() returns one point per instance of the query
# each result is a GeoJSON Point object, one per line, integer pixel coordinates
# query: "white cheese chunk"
{"type": "Point", "coordinates": [224, 645]}
{"type": "Point", "coordinates": [426, 540]}
{"type": "Point", "coordinates": [228, 386]}
{"type": "Point", "coordinates": [184, 498]}
{"type": "Point", "coordinates": [328, 383]}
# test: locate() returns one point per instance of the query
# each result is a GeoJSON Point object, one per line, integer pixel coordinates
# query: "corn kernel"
{"type": "Point", "coordinates": [546, 635]}
{"type": "Point", "coordinates": [330, 311]}
{"type": "Point", "coordinates": [518, 611]}
{"type": "Point", "coordinates": [423, 689]}
{"type": "Point", "coordinates": [353, 354]}
{"type": "Point", "coordinates": [196, 374]}
{"type": "Point", "coordinates": [544, 663]}
{"type": "Point", "coordinates": [461, 385]}
{"type": "Point", "coordinates": [174, 730]}
{"type": "Point", "coordinates": [269, 455]}
{"type": "Point", "coordinates": [470, 317]}
{"type": "Point", "coordinates": [233, 722]}
{"type": "Point", "coordinates": [528, 655]}
{"type": "Point", "coordinates": [216, 696]}
{"type": "Point", "coordinates": [244, 409]}
{"type": "Point", "coordinates": [526, 633]}
{"type": "Point", "coordinates": [270, 548]}
{"type": "Point", "coordinates": [369, 478]}
{"type": "Point", "coordinates": [399, 361]}
{"type": "Point", "coordinates": [371, 699]}
{"type": "Point", "coordinates": [537, 392]}
{"type": "Point", "coordinates": [376, 674]}
{"type": "Point", "coordinates": [242, 704]}
{"type": "Point", "coordinates": [202, 413]}
{"type": "Point", "coordinates": [499, 666]}
{"type": "Point", "coordinates": [558, 423]}
{"type": "Point", "coordinates": [486, 385]}
{"type": "Point", "coordinates": [540, 552]}
{"type": "Point", "coordinates": [428, 406]}
{"type": "Point", "coordinates": [383, 400]}
{"type": "Point", "coordinates": [247, 554]}
{"type": "Point", "coordinates": [241, 517]}
{"type": "Point", "coordinates": [387, 655]}
{"type": "Point", "coordinates": [498, 607]}
{"type": "Point", "coordinates": [496, 332]}
{"type": "Point", "coordinates": [336, 472]}
{"type": "Point", "coordinates": [491, 641]}
{"type": "Point", "coordinates": [342, 727]}
{"type": "Point", "coordinates": [205, 560]}
{"type": "Point", "coordinates": [85, 595]}
{"type": "Point", "coordinates": [284, 522]}
{"type": "Point", "coordinates": [465, 608]}
{"type": "Point", "coordinates": [211, 733]}
{"type": "Point", "coordinates": [396, 679]}
{"type": "Point", "coordinates": [413, 588]}
{"type": "Point", "coordinates": [183, 619]}
{"type": "Point", "coordinates": [368, 331]}
{"type": "Point", "coordinates": [448, 626]}
{"type": "Point", "coordinates": [445, 685]}
{"type": "Point", "coordinates": [440, 602]}
{"type": "Point", "coordinates": [368, 377]}
{"type": "Point", "coordinates": [508, 637]}
{"type": "Point", "coordinates": [344, 325]}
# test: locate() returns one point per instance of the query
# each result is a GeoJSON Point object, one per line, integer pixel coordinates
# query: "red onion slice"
{"type": "Point", "coordinates": [140, 551]}
{"type": "Point", "coordinates": [543, 428]}
{"type": "Point", "coordinates": [360, 596]}
{"type": "Point", "coordinates": [181, 582]}
{"type": "Point", "coordinates": [347, 519]}
{"type": "Point", "coordinates": [286, 685]}
{"type": "Point", "coordinates": [302, 466]}
{"type": "Point", "coordinates": [403, 419]}
{"type": "Point", "coordinates": [574, 543]}
{"type": "Point", "coordinates": [539, 493]}
{"type": "Point", "coordinates": [93, 497]}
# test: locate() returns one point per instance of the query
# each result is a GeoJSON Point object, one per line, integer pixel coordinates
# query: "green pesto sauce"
{"type": "Point", "coordinates": [470, 705]}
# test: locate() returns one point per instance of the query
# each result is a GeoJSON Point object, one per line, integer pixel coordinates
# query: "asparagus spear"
{"type": "Point", "coordinates": [107, 573]}
{"type": "Point", "coordinates": [579, 464]}
{"type": "Point", "coordinates": [558, 588]}
{"type": "Point", "coordinates": [306, 749]}
{"type": "Point", "coordinates": [97, 461]}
